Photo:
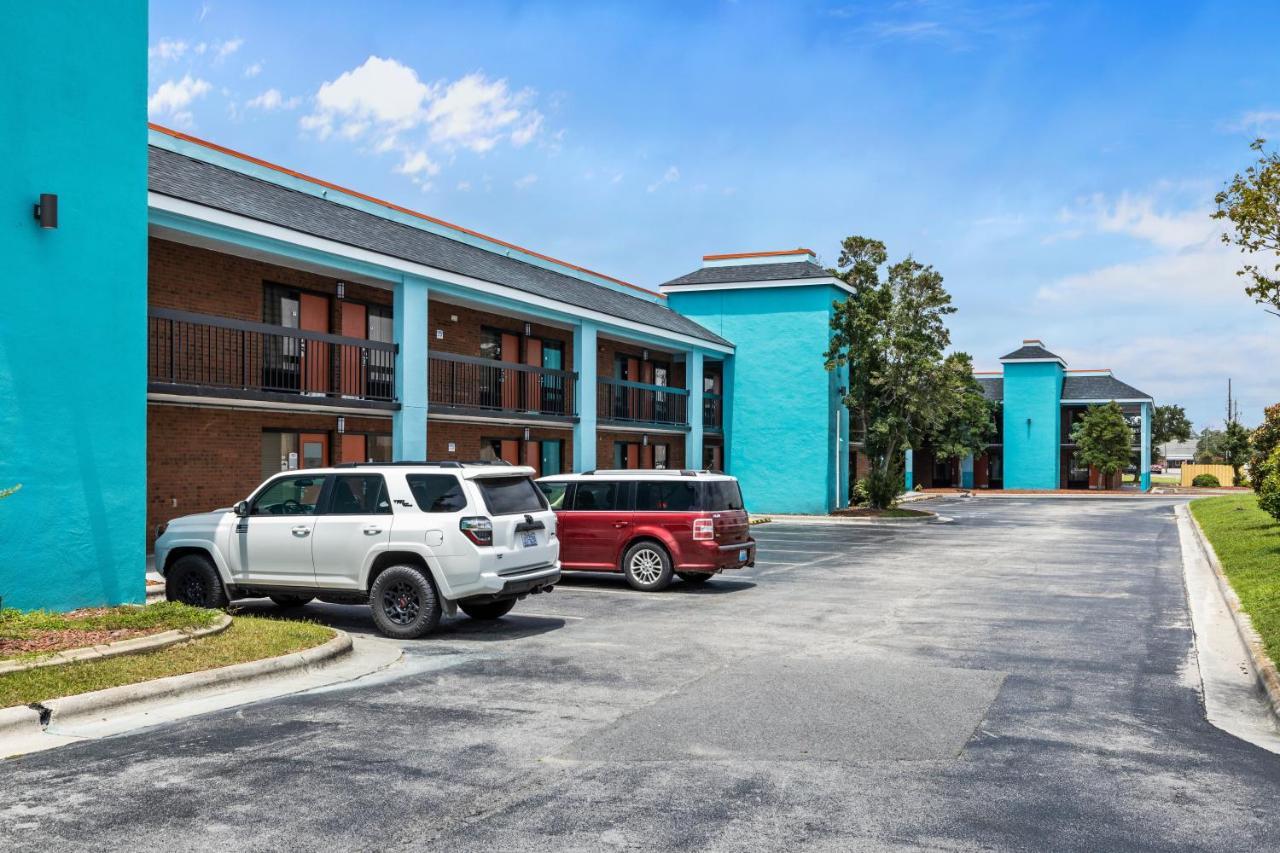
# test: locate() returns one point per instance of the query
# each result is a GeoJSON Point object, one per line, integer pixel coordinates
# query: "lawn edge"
{"type": "Point", "coordinates": [26, 720]}
{"type": "Point", "coordinates": [133, 645]}
{"type": "Point", "coordinates": [1264, 670]}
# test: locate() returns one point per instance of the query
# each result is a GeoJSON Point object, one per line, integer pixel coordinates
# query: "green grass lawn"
{"type": "Point", "coordinates": [248, 638]}
{"type": "Point", "coordinates": [1247, 541]}
{"type": "Point", "coordinates": [37, 632]}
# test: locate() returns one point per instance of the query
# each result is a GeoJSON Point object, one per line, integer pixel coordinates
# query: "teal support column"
{"type": "Point", "coordinates": [584, 364]}
{"type": "Point", "coordinates": [907, 478]}
{"type": "Point", "coordinates": [693, 380]}
{"type": "Point", "coordinates": [966, 472]}
{"type": "Point", "coordinates": [409, 424]}
{"type": "Point", "coordinates": [728, 373]}
{"type": "Point", "coordinates": [1145, 471]}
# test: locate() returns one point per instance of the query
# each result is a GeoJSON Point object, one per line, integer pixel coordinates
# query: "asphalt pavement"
{"type": "Point", "coordinates": [1022, 678]}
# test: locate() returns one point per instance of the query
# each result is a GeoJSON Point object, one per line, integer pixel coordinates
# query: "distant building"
{"type": "Point", "coordinates": [1175, 453]}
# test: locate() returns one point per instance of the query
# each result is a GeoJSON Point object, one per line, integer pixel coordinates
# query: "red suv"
{"type": "Point", "coordinates": [650, 525]}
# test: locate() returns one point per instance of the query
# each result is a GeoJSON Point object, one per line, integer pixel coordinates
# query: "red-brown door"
{"type": "Point", "coordinates": [511, 451]}
{"type": "Point", "coordinates": [634, 398]}
{"type": "Point", "coordinates": [633, 456]}
{"type": "Point", "coordinates": [314, 447]}
{"type": "Point", "coordinates": [533, 456]}
{"type": "Point", "coordinates": [510, 378]}
{"type": "Point", "coordinates": [314, 317]}
{"type": "Point", "coordinates": [533, 381]}
{"type": "Point", "coordinates": [354, 448]}
{"type": "Point", "coordinates": [646, 456]}
{"type": "Point", "coordinates": [355, 324]}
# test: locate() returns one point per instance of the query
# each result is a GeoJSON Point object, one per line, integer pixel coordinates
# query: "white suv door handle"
{"type": "Point", "coordinates": [302, 531]}
{"type": "Point", "coordinates": [372, 531]}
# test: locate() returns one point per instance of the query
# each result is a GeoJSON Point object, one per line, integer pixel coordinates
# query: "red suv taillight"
{"type": "Point", "coordinates": [704, 528]}
{"type": "Point", "coordinates": [478, 529]}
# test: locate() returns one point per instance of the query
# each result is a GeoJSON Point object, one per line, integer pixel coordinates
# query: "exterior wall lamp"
{"type": "Point", "coordinates": [47, 210]}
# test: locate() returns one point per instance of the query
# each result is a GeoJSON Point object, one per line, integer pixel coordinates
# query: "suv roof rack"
{"type": "Point", "coordinates": [426, 463]}
{"type": "Point", "coordinates": [682, 472]}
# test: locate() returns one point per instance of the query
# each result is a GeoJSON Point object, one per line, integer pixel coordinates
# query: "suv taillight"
{"type": "Point", "coordinates": [478, 529]}
{"type": "Point", "coordinates": [704, 528]}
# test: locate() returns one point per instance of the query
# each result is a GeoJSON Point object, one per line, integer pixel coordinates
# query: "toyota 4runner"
{"type": "Point", "coordinates": [411, 540]}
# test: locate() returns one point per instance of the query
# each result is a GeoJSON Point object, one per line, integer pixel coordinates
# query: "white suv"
{"type": "Point", "coordinates": [412, 540]}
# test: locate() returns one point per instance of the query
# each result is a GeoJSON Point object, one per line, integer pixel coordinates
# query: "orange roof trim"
{"type": "Point", "coordinates": [987, 372]}
{"type": "Point", "coordinates": [177, 134]}
{"type": "Point", "coordinates": [756, 254]}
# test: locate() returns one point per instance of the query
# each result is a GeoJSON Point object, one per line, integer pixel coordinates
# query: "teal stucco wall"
{"type": "Point", "coordinates": [782, 423]}
{"type": "Point", "coordinates": [73, 332]}
{"type": "Point", "coordinates": [1032, 424]}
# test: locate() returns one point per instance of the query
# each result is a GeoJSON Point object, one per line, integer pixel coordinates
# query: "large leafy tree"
{"type": "Point", "coordinates": [965, 420]}
{"type": "Point", "coordinates": [891, 334]}
{"type": "Point", "coordinates": [1251, 203]}
{"type": "Point", "coordinates": [1102, 437]}
{"type": "Point", "coordinates": [1265, 439]}
{"type": "Point", "coordinates": [1235, 448]}
{"type": "Point", "coordinates": [1168, 423]}
{"type": "Point", "coordinates": [1209, 446]}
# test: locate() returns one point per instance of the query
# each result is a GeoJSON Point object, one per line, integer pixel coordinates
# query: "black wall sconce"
{"type": "Point", "coordinates": [47, 210]}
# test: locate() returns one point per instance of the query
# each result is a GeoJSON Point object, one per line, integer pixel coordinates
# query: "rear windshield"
{"type": "Point", "coordinates": [666, 496]}
{"type": "Point", "coordinates": [437, 492]}
{"type": "Point", "coordinates": [721, 496]}
{"type": "Point", "coordinates": [510, 495]}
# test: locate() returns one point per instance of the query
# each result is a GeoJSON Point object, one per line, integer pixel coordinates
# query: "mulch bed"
{"type": "Point", "coordinates": [49, 641]}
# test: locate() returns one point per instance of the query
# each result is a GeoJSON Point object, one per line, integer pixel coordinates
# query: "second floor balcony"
{"type": "Point", "coordinates": [470, 384]}
{"type": "Point", "coordinates": [205, 355]}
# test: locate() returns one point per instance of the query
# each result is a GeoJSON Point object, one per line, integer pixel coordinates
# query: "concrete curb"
{"type": "Point", "coordinates": [31, 720]}
{"type": "Point", "coordinates": [930, 516]}
{"type": "Point", "coordinates": [1263, 668]}
{"type": "Point", "coordinates": [134, 645]}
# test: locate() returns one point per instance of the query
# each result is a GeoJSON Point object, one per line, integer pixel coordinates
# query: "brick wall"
{"type": "Point", "coordinates": [463, 336]}
{"type": "Point", "coordinates": [187, 278]}
{"type": "Point", "coordinates": [607, 349]}
{"type": "Point", "coordinates": [605, 441]}
{"type": "Point", "coordinates": [209, 458]}
{"type": "Point", "coordinates": [467, 438]}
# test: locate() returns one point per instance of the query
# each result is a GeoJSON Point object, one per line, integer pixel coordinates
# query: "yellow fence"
{"type": "Point", "coordinates": [1222, 472]}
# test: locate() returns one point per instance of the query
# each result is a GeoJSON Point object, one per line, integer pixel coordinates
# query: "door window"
{"type": "Point", "coordinates": [315, 449]}
{"type": "Point", "coordinates": [359, 494]}
{"type": "Point", "coordinates": [289, 496]}
{"type": "Point", "coordinates": [597, 496]}
{"type": "Point", "coordinates": [437, 492]}
{"type": "Point", "coordinates": [660, 452]}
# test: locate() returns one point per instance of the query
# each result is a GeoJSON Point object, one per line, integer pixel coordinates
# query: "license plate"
{"type": "Point", "coordinates": [529, 539]}
{"type": "Point", "coordinates": [742, 555]}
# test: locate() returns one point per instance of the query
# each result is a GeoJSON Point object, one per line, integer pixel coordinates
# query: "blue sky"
{"type": "Point", "coordinates": [1055, 161]}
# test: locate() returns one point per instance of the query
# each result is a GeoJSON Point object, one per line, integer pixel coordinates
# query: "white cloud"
{"type": "Point", "coordinates": [464, 186]}
{"type": "Point", "coordinates": [385, 103]}
{"type": "Point", "coordinates": [417, 163]}
{"type": "Point", "coordinates": [167, 50]}
{"type": "Point", "coordinates": [1255, 120]}
{"type": "Point", "coordinates": [229, 47]}
{"type": "Point", "coordinates": [174, 96]}
{"type": "Point", "coordinates": [253, 70]}
{"type": "Point", "coordinates": [272, 100]}
{"type": "Point", "coordinates": [1136, 216]}
{"type": "Point", "coordinates": [668, 177]}
{"type": "Point", "coordinates": [526, 182]}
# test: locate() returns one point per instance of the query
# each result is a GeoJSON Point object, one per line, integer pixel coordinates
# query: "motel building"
{"type": "Point", "coordinates": [193, 319]}
{"type": "Point", "coordinates": [1038, 401]}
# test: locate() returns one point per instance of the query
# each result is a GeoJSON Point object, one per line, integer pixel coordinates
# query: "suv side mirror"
{"type": "Point", "coordinates": [242, 509]}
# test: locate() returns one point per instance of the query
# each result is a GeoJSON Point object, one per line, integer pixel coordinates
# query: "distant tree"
{"type": "Point", "coordinates": [891, 334]}
{"type": "Point", "coordinates": [1209, 447]}
{"type": "Point", "coordinates": [1235, 449]}
{"type": "Point", "coordinates": [1168, 423]}
{"type": "Point", "coordinates": [1102, 437]}
{"type": "Point", "coordinates": [1251, 203]}
{"type": "Point", "coordinates": [1265, 439]}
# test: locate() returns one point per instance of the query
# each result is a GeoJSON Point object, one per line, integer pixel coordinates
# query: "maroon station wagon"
{"type": "Point", "coordinates": [650, 525]}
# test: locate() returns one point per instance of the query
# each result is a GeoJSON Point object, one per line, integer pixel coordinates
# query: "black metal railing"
{"type": "Point", "coordinates": [712, 411]}
{"type": "Point", "coordinates": [203, 351]}
{"type": "Point", "coordinates": [636, 402]}
{"type": "Point", "coordinates": [468, 382]}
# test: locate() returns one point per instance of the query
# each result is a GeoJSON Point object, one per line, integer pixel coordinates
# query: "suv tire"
{"type": "Point", "coordinates": [647, 566]}
{"type": "Point", "coordinates": [404, 602]}
{"type": "Point", "coordinates": [288, 602]}
{"type": "Point", "coordinates": [695, 578]}
{"type": "Point", "coordinates": [193, 580]}
{"type": "Point", "coordinates": [487, 610]}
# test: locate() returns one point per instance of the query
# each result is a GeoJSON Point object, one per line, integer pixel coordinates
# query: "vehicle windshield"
{"type": "Point", "coordinates": [721, 496]}
{"type": "Point", "coordinates": [510, 495]}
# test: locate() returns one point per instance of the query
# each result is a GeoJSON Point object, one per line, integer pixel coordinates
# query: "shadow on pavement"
{"type": "Point", "coordinates": [614, 581]}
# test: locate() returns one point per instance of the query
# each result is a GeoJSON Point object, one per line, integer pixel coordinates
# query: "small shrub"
{"type": "Point", "coordinates": [1267, 478]}
{"type": "Point", "coordinates": [1205, 481]}
{"type": "Point", "coordinates": [859, 496]}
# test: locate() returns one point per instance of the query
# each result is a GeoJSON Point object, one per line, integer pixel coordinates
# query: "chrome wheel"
{"type": "Point", "coordinates": [400, 602]}
{"type": "Point", "coordinates": [646, 566]}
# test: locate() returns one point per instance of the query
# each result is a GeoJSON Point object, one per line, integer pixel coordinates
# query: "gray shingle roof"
{"type": "Point", "coordinates": [215, 186]}
{"type": "Point", "coordinates": [751, 272]}
{"type": "Point", "coordinates": [1099, 388]}
{"type": "Point", "coordinates": [1029, 351]}
{"type": "Point", "coordinates": [1073, 388]}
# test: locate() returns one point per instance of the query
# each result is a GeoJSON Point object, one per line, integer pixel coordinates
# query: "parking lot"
{"type": "Point", "coordinates": [1020, 678]}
